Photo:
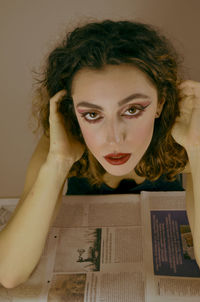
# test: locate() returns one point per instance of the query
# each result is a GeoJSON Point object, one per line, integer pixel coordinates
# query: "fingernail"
{"type": "Point", "coordinates": [63, 92]}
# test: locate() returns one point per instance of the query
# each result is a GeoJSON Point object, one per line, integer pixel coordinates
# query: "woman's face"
{"type": "Point", "coordinates": [108, 104]}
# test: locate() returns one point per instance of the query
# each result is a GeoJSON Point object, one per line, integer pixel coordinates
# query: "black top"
{"type": "Point", "coordinates": [81, 186]}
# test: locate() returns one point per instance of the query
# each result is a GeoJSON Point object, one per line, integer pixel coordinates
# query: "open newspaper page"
{"type": "Point", "coordinates": [172, 273]}
{"type": "Point", "coordinates": [99, 254]}
{"type": "Point", "coordinates": [93, 253]}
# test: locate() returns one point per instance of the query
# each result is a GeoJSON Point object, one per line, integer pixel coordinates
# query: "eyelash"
{"type": "Point", "coordinates": [141, 109]}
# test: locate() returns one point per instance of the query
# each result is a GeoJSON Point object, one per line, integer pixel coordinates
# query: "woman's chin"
{"type": "Point", "coordinates": [119, 171]}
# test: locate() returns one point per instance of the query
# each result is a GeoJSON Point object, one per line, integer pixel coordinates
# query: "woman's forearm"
{"type": "Point", "coordinates": [194, 159]}
{"type": "Point", "coordinates": [22, 241]}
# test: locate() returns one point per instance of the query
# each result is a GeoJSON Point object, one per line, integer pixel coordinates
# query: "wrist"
{"type": "Point", "coordinates": [194, 161]}
{"type": "Point", "coordinates": [194, 157]}
{"type": "Point", "coordinates": [58, 166]}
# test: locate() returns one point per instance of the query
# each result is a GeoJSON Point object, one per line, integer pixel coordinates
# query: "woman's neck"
{"type": "Point", "coordinates": [113, 181]}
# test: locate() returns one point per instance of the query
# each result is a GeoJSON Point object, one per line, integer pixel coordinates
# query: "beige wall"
{"type": "Point", "coordinates": [28, 29]}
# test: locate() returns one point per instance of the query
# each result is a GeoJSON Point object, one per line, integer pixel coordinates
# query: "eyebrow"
{"type": "Point", "coordinates": [120, 103]}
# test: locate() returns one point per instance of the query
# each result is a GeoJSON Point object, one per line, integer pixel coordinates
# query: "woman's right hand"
{"type": "Point", "coordinates": [63, 146]}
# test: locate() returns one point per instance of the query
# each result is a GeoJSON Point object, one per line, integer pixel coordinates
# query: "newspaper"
{"type": "Point", "coordinates": [105, 248]}
{"type": "Point", "coordinates": [173, 275]}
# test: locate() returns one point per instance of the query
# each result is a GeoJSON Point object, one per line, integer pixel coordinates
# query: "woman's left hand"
{"type": "Point", "coordinates": [186, 130]}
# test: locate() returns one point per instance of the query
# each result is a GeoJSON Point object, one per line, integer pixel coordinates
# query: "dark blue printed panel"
{"type": "Point", "coordinates": [173, 252]}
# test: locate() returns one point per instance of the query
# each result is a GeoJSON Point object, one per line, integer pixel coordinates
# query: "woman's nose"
{"type": "Point", "coordinates": [115, 132]}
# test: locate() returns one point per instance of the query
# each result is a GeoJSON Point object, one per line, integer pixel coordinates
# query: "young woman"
{"type": "Point", "coordinates": [117, 117]}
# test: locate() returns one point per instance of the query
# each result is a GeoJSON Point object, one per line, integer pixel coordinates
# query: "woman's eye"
{"type": "Point", "coordinates": [90, 117]}
{"type": "Point", "coordinates": [134, 112]}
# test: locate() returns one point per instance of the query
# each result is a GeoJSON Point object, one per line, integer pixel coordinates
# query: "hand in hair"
{"type": "Point", "coordinates": [63, 146]}
{"type": "Point", "coordinates": [186, 130]}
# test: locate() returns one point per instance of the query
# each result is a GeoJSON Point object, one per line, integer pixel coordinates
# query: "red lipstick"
{"type": "Point", "coordinates": [117, 158]}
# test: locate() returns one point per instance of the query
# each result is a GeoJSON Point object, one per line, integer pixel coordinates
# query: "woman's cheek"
{"type": "Point", "coordinates": [147, 130]}
{"type": "Point", "coordinates": [90, 138]}
{"type": "Point", "coordinates": [144, 134]}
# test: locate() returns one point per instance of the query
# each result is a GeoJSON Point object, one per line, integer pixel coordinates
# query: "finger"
{"type": "Point", "coordinates": [55, 100]}
{"type": "Point", "coordinates": [188, 83]}
{"type": "Point", "coordinates": [58, 96]}
{"type": "Point", "coordinates": [189, 102]}
{"type": "Point", "coordinates": [185, 107]}
{"type": "Point", "coordinates": [184, 119]}
{"type": "Point", "coordinates": [190, 88]}
{"type": "Point", "coordinates": [186, 102]}
{"type": "Point", "coordinates": [186, 91]}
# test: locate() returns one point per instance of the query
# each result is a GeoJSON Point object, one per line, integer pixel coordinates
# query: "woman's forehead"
{"type": "Point", "coordinates": [111, 77]}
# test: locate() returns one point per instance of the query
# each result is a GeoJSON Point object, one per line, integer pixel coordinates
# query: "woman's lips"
{"type": "Point", "coordinates": [117, 159]}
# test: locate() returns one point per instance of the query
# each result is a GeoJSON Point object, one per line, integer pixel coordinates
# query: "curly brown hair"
{"type": "Point", "coordinates": [95, 45]}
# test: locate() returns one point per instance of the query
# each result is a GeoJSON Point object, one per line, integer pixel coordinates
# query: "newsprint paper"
{"type": "Point", "coordinates": [113, 248]}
